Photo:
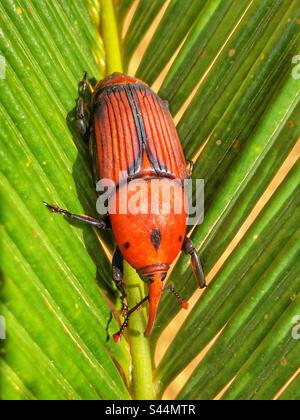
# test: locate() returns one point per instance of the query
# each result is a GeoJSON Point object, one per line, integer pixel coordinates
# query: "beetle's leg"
{"type": "Point", "coordinates": [100, 224]}
{"type": "Point", "coordinates": [82, 115]}
{"type": "Point", "coordinates": [184, 303]}
{"type": "Point", "coordinates": [117, 337]}
{"type": "Point", "coordinates": [191, 167]}
{"type": "Point", "coordinates": [117, 267]}
{"type": "Point", "coordinates": [189, 249]}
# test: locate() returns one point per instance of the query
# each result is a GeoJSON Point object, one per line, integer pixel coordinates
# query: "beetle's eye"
{"type": "Point", "coordinates": [164, 276]}
{"type": "Point", "coordinates": [150, 278]}
{"type": "Point", "coordinates": [147, 279]}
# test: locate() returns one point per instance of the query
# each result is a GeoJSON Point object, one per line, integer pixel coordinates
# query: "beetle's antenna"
{"type": "Point", "coordinates": [184, 303]}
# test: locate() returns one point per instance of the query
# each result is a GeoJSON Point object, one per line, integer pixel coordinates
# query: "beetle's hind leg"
{"type": "Point", "coordinates": [98, 223]}
{"type": "Point", "coordinates": [189, 249]}
{"type": "Point", "coordinates": [117, 337]}
{"type": "Point", "coordinates": [82, 115]}
{"type": "Point", "coordinates": [117, 268]}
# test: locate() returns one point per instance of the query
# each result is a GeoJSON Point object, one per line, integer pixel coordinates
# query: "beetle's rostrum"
{"type": "Point", "coordinates": [131, 132]}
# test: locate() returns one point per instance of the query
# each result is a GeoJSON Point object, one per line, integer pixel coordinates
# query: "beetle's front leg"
{"type": "Point", "coordinates": [82, 115]}
{"type": "Point", "coordinates": [117, 267]}
{"type": "Point", "coordinates": [100, 224]}
{"type": "Point", "coordinates": [189, 249]}
{"type": "Point", "coordinates": [117, 337]}
{"type": "Point", "coordinates": [191, 167]}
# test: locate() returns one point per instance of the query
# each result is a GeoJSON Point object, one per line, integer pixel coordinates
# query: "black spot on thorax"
{"type": "Point", "coordinates": [156, 238]}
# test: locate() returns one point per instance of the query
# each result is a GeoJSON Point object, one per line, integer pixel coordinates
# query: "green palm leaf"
{"type": "Point", "coordinates": [234, 92]}
{"type": "Point", "coordinates": [56, 318]}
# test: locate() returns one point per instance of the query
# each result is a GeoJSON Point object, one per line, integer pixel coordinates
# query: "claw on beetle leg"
{"type": "Point", "coordinates": [117, 337]}
{"type": "Point", "coordinates": [98, 223]}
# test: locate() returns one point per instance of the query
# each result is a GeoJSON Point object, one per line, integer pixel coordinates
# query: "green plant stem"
{"type": "Point", "coordinates": [142, 381]}
{"type": "Point", "coordinates": [109, 32]}
{"type": "Point", "coordinates": [139, 345]}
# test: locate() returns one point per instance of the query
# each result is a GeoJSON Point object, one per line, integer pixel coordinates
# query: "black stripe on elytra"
{"type": "Point", "coordinates": [156, 238]}
{"type": "Point", "coordinates": [103, 95]}
{"type": "Point", "coordinates": [139, 123]}
{"type": "Point", "coordinates": [131, 90]}
{"type": "Point", "coordinates": [158, 166]}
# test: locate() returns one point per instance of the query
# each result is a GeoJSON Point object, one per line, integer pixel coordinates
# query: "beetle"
{"type": "Point", "coordinates": [131, 132]}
